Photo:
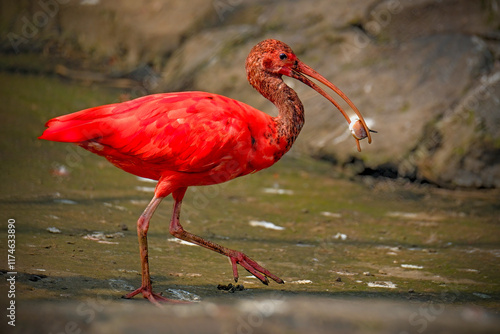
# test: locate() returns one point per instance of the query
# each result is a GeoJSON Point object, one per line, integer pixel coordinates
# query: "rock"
{"type": "Point", "coordinates": [53, 229]}
{"type": "Point", "coordinates": [123, 34]}
{"type": "Point", "coordinates": [424, 73]}
{"type": "Point", "coordinates": [405, 20]}
{"type": "Point", "coordinates": [401, 98]}
{"type": "Point", "coordinates": [466, 151]}
{"type": "Point", "coordinates": [409, 67]}
{"type": "Point", "coordinates": [189, 63]}
{"type": "Point", "coordinates": [35, 278]}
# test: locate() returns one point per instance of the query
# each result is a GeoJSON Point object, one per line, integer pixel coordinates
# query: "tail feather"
{"type": "Point", "coordinates": [80, 126]}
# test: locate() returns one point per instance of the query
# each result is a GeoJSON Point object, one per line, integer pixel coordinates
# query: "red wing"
{"type": "Point", "coordinates": [189, 131]}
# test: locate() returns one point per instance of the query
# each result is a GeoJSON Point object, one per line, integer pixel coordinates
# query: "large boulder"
{"type": "Point", "coordinates": [120, 34]}
{"type": "Point", "coordinates": [463, 147]}
{"type": "Point", "coordinates": [424, 73]}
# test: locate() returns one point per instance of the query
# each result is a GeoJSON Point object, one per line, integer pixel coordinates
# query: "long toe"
{"type": "Point", "coordinates": [153, 297]}
{"type": "Point", "coordinates": [252, 267]}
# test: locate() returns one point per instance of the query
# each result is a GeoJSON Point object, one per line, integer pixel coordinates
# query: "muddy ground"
{"type": "Point", "coordinates": [360, 255]}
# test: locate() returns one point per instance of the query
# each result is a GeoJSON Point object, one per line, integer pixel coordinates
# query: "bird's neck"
{"type": "Point", "coordinates": [290, 119]}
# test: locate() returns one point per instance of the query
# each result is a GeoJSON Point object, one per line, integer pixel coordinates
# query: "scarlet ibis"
{"type": "Point", "coordinates": [195, 138]}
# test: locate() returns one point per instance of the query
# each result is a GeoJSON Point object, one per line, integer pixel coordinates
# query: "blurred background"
{"type": "Point", "coordinates": [403, 237]}
{"type": "Point", "coordinates": [425, 73]}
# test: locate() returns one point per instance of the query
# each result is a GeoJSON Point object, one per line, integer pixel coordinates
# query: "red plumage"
{"type": "Point", "coordinates": [196, 138]}
{"type": "Point", "coordinates": [191, 138]}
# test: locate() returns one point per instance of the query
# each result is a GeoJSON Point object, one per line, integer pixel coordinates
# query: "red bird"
{"type": "Point", "coordinates": [196, 138]}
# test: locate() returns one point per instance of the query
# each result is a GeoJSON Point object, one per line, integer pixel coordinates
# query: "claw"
{"type": "Point", "coordinates": [233, 262]}
{"type": "Point", "coordinates": [252, 267]}
{"type": "Point", "coordinates": [153, 297]}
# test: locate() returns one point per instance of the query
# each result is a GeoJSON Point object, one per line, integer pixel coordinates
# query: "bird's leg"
{"type": "Point", "coordinates": [142, 230]}
{"type": "Point", "coordinates": [235, 257]}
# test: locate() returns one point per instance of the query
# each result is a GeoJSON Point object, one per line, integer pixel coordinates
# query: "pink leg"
{"type": "Point", "coordinates": [234, 256]}
{"type": "Point", "coordinates": [142, 230]}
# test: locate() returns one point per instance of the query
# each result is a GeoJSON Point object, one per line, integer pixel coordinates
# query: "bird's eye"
{"type": "Point", "coordinates": [283, 56]}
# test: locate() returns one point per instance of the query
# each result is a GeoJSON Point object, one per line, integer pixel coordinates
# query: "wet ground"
{"type": "Point", "coordinates": [362, 255]}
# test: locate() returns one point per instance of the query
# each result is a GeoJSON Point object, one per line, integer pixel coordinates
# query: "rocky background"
{"type": "Point", "coordinates": [425, 73]}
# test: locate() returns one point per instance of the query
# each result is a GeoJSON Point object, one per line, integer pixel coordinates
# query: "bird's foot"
{"type": "Point", "coordinates": [155, 298]}
{"type": "Point", "coordinates": [252, 267]}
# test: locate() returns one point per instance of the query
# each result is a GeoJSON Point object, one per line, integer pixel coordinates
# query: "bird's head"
{"type": "Point", "coordinates": [273, 58]}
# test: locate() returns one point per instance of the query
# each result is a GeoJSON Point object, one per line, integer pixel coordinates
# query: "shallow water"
{"type": "Point", "coordinates": [329, 236]}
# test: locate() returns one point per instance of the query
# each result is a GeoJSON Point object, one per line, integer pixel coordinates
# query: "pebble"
{"type": "Point", "coordinates": [54, 230]}
{"type": "Point", "coordinates": [35, 278]}
{"type": "Point", "coordinates": [230, 287]}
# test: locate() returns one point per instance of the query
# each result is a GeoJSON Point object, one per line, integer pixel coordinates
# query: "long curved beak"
{"type": "Point", "coordinates": [297, 72]}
